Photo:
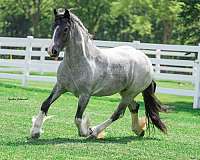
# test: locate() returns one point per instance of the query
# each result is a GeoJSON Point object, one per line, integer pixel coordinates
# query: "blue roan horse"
{"type": "Point", "coordinates": [89, 71]}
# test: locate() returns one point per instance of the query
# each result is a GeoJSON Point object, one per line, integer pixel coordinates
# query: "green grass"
{"type": "Point", "coordinates": [60, 139]}
{"type": "Point", "coordinates": [31, 73]}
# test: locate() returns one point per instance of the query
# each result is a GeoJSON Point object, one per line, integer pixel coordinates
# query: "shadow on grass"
{"type": "Point", "coordinates": [18, 86]}
{"type": "Point", "coordinates": [45, 90]}
{"type": "Point", "coordinates": [53, 141]}
{"type": "Point", "coordinates": [177, 107]}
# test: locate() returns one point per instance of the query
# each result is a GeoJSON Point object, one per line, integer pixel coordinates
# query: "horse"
{"type": "Point", "coordinates": [87, 71]}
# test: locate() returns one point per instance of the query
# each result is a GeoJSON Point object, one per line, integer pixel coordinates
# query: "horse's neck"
{"type": "Point", "coordinates": [80, 49]}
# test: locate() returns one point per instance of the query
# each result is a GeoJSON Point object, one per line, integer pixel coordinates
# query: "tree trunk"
{"type": "Point", "coordinates": [167, 31]}
{"type": "Point", "coordinates": [36, 17]}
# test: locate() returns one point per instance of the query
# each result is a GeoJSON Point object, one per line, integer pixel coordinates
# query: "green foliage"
{"type": "Point", "coordinates": [189, 24]}
{"type": "Point", "coordinates": [93, 13]}
{"type": "Point", "coordinates": [164, 21]}
{"type": "Point", "coordinates": [13, 19]}
{"type": "Point", "coordinates": [148, 20]}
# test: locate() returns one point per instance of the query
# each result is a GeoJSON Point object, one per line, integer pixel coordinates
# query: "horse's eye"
{"type": "Point", "coordinates": [66, 29]}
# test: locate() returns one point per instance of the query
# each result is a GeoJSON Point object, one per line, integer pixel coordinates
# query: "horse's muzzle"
{"type": "Point", "coordinates": [53, 52]}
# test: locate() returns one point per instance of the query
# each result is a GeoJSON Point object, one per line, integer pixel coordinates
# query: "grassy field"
{"type": "Point", "coordinates": [61, 141]}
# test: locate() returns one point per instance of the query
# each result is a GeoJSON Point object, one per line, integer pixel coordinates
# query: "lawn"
{"type": "Point", "coordinates": [61, 141]}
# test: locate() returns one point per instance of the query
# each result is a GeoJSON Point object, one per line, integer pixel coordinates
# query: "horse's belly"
{"type": "Point", "coordinates": [105, 91]}
{"type": "Point", "coordinates": [109, 85]}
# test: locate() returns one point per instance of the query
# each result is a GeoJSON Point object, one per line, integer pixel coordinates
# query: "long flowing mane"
{"type": "Point", "coordinates": [75, 20]}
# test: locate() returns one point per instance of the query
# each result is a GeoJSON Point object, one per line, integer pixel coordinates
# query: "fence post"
{"type": "Point", "coordinates": [196, 103]}
{"type": "Point", "coordinates": [0, 50]}
{"type": "Point", "coordinates": [27, 61]}
{"type": "Point", "coordinates": [42, 59]}
{"type": "Point", "coordinates": [136, 44]}
{"type": "Point", "coordinates": [194, 72]}
{"type": "Point", "coordinates": [157, 66]}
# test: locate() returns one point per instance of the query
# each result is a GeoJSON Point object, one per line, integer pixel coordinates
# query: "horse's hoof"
{"type": "Point", "coordinates": [141, 134]}
{"type": "Point", "coordinates": [91, 136]}
{"type": "Point", "coordinates": [82, 135]}
{"type": "Point", "coordinates": [35, 136]}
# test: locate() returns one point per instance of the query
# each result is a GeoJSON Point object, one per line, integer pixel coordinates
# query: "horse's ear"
{"type": "Point", "coordinates": [67, 14]}
{"type": "Point", "coordinates": [55, 12]}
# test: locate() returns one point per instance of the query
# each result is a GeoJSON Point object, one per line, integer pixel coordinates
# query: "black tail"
{"type": "Point", "coordinates": [153, 107]}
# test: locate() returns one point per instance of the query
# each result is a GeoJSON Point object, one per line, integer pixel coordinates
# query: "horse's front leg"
{"type": "Point", "coordinates": [39, 119]}
{"type": "Point", "coordinates": [82, 122]}
{"type": "Point", "coordinates": [119, 112]}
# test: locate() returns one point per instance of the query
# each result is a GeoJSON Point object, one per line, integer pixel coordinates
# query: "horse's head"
{"type": "Point", "coordinates": [61, 29]}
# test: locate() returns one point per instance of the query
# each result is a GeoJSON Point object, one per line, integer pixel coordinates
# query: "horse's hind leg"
{"type": "Point", "coordinates": [138, 124]}
{"type": "Point", "coordinates": [38, 121]}
{"type": "Point", "coordinates": [119, 112]}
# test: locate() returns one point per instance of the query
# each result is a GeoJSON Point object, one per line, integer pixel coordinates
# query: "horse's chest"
{"type": "Point", "coordinates": [76, 80]}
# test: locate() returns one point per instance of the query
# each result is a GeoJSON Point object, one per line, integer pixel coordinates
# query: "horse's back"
{"type": "Point", "coordinates": [127, 55]}
{"type": "Point", "coordinates": [123, 53]}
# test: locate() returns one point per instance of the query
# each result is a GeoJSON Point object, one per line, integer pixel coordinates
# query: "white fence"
{"type": "Point", "coordinates": [171, 62]}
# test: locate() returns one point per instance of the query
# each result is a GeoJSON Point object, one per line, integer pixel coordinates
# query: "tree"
{"type": "Point", "coordinates": [93, 13]}
{"type": "Point", "coordinates": [163, 21]}
{"type": "Point", "coordinates": [167, 14]}
{"type": "Point", "coordinates": [188, 29]}
{"type": "Point", "coordinates": [12, 19]}
{"type": "Point", "coordinates": [134, 18]}
{"type": "Point", "coordinates": [148, 20]}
